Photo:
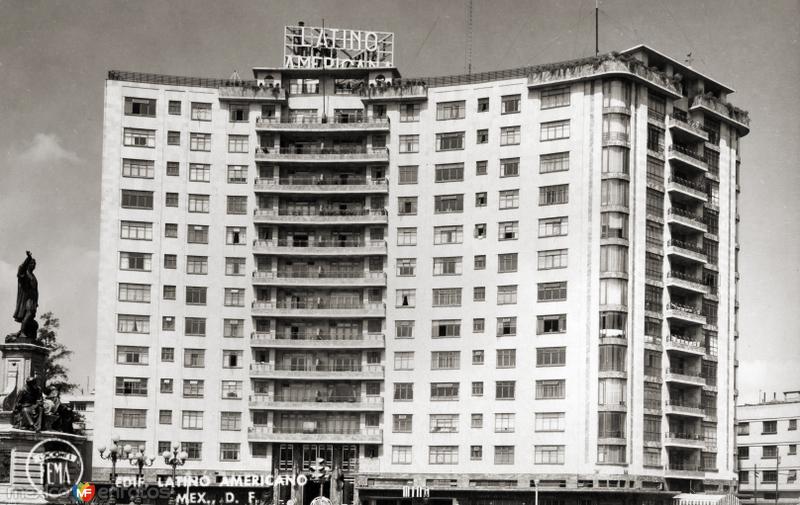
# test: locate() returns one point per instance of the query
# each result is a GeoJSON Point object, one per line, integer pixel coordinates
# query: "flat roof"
{"type": "Point", "coordinates": [686, 70]}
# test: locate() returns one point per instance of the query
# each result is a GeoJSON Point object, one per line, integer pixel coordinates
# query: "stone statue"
{"type": "Point", "coordinates": [27, 303]}
{"type": "Point", "coordinates": [29, 407]}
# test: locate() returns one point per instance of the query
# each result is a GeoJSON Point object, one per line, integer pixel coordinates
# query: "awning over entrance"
{"type": "Point", "coordinates": [705, 499]}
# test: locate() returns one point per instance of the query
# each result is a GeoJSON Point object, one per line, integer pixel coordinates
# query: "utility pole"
{"type": "Point", "coordinates": [755, 483]}
{"type": "Point", "coordinates": [777, 473]}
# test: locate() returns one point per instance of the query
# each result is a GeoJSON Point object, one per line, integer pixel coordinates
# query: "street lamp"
{"type": "Point", "coordinates": [139, 460]}
{"type": "Point", "coordinates": [113, 453]}
{"type": "Point", "coordinates": [174, 458]}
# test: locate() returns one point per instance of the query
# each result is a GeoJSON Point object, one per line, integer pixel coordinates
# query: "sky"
{"type": "Point", "coordinates": [54, 56]}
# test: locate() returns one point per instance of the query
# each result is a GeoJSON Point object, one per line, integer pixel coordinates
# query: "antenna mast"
{"type": "Point", "coordinates": [596, 27]}
{"type": "Point", "coordinates": [469, 37]}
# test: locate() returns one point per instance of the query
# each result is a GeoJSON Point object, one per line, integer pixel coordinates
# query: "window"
{"type": "Point", "coordinates": [173, 168]}
{"type": "Point", "coordinates": [136, 230]}
{"type": "Point", "coordinates": [171, 200]}
{"type": "Point", "coordinates": [450, 172]}
{"type": "Point", "coordinates": [479, 262]}
{"type": "Point", "coordinates": [553, 227]}
{"type": "Point", "coordinates": [555, 97]}
{"type": "Point", "coordinates": [406, 236]}
{"type": "Point", "coordinates": [478, 357]}
{"type": "Point", "coordinates": [507, 295]}
{"type": "Point", "coordinates": [444, 391]}
{"type": "Point", "coordinates": [769, 476]}
{"type": "Point", "coordinates": [655, 139]}
{"type": "Point", "coordinates": [614, 259]}
{"type": "Point", "coordinates": [231, 390]}
{"type": "Point", "coordinates": [510, 135]}
{"type": "Point", "coordinates": [166, 386]}
{"type": "Point", "coordinates": [407, 174]}
{"type": "Point", "coordinates": [610, 453]}
{"type": "Point", "coordinates": [235, 235]}
{"type": "Point", "coordinates": [167, 354]}
{"type": "Point", "coordinates": [509, 167]}
{"type": "Point", "coordinates": [506, 358]}
{"type": "Point", "coordinates": [131, 386]}
{"type": "Point", "coordinates": [554, 130]}
{"type": "Point", "coordinates": [237, 204]}
{"type": "Point", "coordinates": [237, 174]}
{"type": "Point", "coordinates": [407, 206]}
{"type": "Point", "coordinates": [404, 360]}
{"type": "Point", "coordinates": [173, 138]}
{"type": "Point", "coordinates": [483, 104]}
{"type": "Point", "coordinates": [135, 261]}
{"type": "Point", "coordinates": [551, 356]}
{"type": "Point", "coordinates": [549, 421]}
{"type": "Point", "coordinates": [409, 143]}
{"type": "Point", "coordinates": [505, 390]}
{"type": "Point", "coordinates": [401, 423]}
{"type": "Point", "coordinates": [130, 418]}
{"type": "Point", "coordinates": [194, 358]}
{"type": "Point", "coordinates": [510, 104]}
{"type": "Point", "coordinates": [792, 425]}
{"type": "Point", "coordinates": [130, 355]}
{"type": "Point", "coordinates": [449, 141]}
{"type": "Point", "coordinates": [553, 258]}
{"type": "Point", "coordinates": [404, 329]}
{"type": "Point", "coordinates": [509, 199]}
{"type": "Point", "coordinates": [551, 291]}
{"type": "Point", "coordinates": [238, 144]}
{"type": "Point", "coordinates": [406, 267]}
{"type": "Point", "coordinates": [443, 423]}
{"type": "Point", "coordinates": [140, 106]}
{"type": "Point", "coordinates": [504, 454]}
{"type": "Point", "coordinates": [548, 454]}
{"type": "Point", "coordinates": [129, 292]}
{"type": "Point", "coordinates": [199, 203]}
{"type": "Point", "coordinates": [168, 323]}
{"type": "Point", "coordinates": [480, 230]}
{"type": "Point", "coordinates": [556, 323]}
{"type": "Point", "coordinates": [196, 295]}
{"type": "Point", "coordinates": [192, 420]}
{"type": "Point", "coordinates": [409, 112]}
{"type": "Point", "coordinates": [140, 169]}
{"type": "Point", "coordinates": [139, 138]}
{"type": "Point", "coordinates": [200, 142]}
{"type": "Point", "coordinates": [443, 455]}
{"type": "Point", "coordinates": [401, 454]}
{"type": "Point", "coordinates": [550, 389]}
{"type": "Point", "coordinates": [229, 451]}
{"type": "Point", "coordinates": [506, 326]}
{"type": "Point", "coordinates": [164, 417]}
{"type": "Point", "coordinates": [445, 360]}
{"type": "Point", "coordinates": [174, 108]}
{"type": "Point", "coordinates": [611, 358]}
{"type": "Point", "coordinates": [234, 297]}
{"type": "Point", "coordinates": [234, 266]}
{"type": "Point", "coordinates": [481, 167]}
{"type": "Point", "coordinates": [403, 391]}
{"type": "Point", "coordinates": [447, 265]}
{"type": "Point", "coordinates": [405, 298]}
{"type": "Point", "coordinates": [193, 450]}
{"type": "Point", "coordinates": [233, 328]}
{"type": "Point", "coordinates": [554, 195]}
{"type": "Point", "coordinates": [769, 427]}
{"type": "Point", "coordinates": [477, 389]}
{"type": "Point", "coordinates": [614, 192]}
{"type": "Point", "coordinates": [615, 160]}
{"type": "Point", "coordinates": [201, 111]}
{"type": "Point", "coordinates": [615, 292]}
{"type": "Point", "coordinates": [450, 110]}
{"type": "Point", "coordinates": [446, 328]}
{"type": "Point", "coordinates": [613, 225]}
{"type": "Point", "coordinates": [769, 452]}
{"type": "Point", "coordinates": [199, 172]}
{"type": "Point", "coordinates": [482, 136]}
{"type": "Point", "coordinates": [447, 297]}
{"type": "Point", "coordinates": [304, 86]}
{"type": "Point", "coordinates": [447, 234]}
{"type": "Point", "coordinates": [238, 113]}
{"type": "Point", "coordinates": [130, 323]}
{"type": "Point", "coordinates": [169, 292]}
{"type": "Point", "coordinates": [231, 359]}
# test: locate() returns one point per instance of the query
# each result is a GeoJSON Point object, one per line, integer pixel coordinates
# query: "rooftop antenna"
{"type": "Point", "coordinates": [469, 37]}
{"type": "Point", "coordinates": [596, 27]}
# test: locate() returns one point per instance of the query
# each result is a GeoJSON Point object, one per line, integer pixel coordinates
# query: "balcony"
{"type": "Point", "coordinates": [321, 185]}
{"type": "Point", "coordinates": [316, 403]}
{"type": "Point", "coordinates": [339, 122]}
{"type": "Point", "coordinates": [252, 93]}
{"type": "Point", "coordinates": [686, 189]}
{"type": "Point", "coordinates": [720, 109]}
{"type": "Point", "coordinates": [687, 440]}
{"type": "Point", "coordinates": [686, 313]}
{"type": "Point", "coordinates": [322, 307]}
{"type": "Point", "coordinates": [411, 92]}
{"type": "Point", "coordinates": [312, 371]}
{"type": "Point", "coordinates": [686, 250]}
{"type": "Point", "coordinates": [685, 129]}
{"type": "Point", "coordinates": [684, 345]}
{"type": "Point", "coordinates": [687, 157]}
{"type": "Point", "coordinates": [684, 470]}
{"type": "Point", "coordinates": [682, 280]}
{"type": "Point", "coordinates": [320, 277]}
{"type": "Point", "coordinates": [310, 432]}
{"type": "Point", "coordinates": [321, 247]}
{"type": "Point", "coordinates": [321, 216]}
{"type": "Point", "coordinates": [305, 154]}
{"type": "Point", "coordinates": [686, 219]}
{"type": "Point", "coordinates": [684, 376]}
{"type": "Point", "coordinates": [314, 340]}
{"type": "Point", "coordinates": [683, 409]}
{"type": "Point", "coordinates": [616, 139]}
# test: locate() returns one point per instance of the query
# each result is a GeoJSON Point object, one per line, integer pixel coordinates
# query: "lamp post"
{"type": "Point", "coordinates": [113, 453]}
{"type": "Point", "coordinates": [174, 458]}
{"type": "Point", "coordinates": [139, 460]}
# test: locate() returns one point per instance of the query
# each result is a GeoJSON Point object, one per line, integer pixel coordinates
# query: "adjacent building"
{"type": "Point", "coordinates": [767, 438]}
{"type": "Point", "coordinates": [495, 285]}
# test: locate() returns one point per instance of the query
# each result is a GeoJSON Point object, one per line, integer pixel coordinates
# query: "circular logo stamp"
{"type": "Point", "coordinates": [54, 467]}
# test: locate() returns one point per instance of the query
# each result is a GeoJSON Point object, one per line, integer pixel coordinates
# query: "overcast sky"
{"type": "Point", "coordinates": [54, 56]}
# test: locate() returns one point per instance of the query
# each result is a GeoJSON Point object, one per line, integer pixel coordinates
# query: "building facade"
{"type": "Point", "coordinates": [767, 438]}
{"type": "Point", "coordinates": [461, 287]}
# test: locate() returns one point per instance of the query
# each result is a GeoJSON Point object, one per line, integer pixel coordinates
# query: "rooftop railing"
{"type": "Point", "coordinates": [723, 108]}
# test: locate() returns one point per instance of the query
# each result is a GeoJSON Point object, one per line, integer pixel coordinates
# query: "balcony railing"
{"type": "Point", "coordinates": [689, 246]}
{"type": "Point", "coordinates": [687, 218]}
{"type": "Point", "coordinates": [683, 407]}
{"type": "Point", "coordinates": [688, 156]}
{"type": "Point", "coordinates": [682, 307]}
{"type": "Point", "coordinates": [723, 109]}
{"type": "Point", "coordinates": [318, 397]}
{"type": "Point", "coordinates": [337, 121]}
{"type": "Point", "coordinates": [315, 303]}
{"type": "Point", "coordinates": [323, 246]}
{"type": "Point", "coordinates": [693, 437]}
{"type": "Point", "coordinates": [286, 334]}
{"type": "Point", "coordinates": [679, 342]}
{"type": "Point", "coordinates": [245, 92]}
{"type": "Point", "coordinates": [318, 274]}
{"type": "Point", "coordinates": [694, 188]}
{"type": "Point", "coordinates": [331, 214]}
{"type": "Point", "coordinates": [310, 153]}
{"type": "Point", "coordinates": [315, 367]}
{"type": "Point", "coordinates": [415, 91]}
{"type": "Point", "coordinates": [331, 183]}
{"type": "Point", "coordinates": [681, 119]}
{"type": "Point", "coordinates": [684, 375]}
{"type": "Point", "coordinates": [684, 467]}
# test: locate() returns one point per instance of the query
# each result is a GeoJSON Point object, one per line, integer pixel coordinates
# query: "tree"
{"type": "Point", "coordinates": [55, 373]}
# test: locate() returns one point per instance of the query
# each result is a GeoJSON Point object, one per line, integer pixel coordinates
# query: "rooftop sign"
{"type": "Point", "coordinates": [316, 47]}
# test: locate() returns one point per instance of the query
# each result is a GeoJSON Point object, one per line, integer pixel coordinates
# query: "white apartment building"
{"type": "Point", "coordinates": [767, 438]}
{"type": "Point", "coordinates": [480, 287]}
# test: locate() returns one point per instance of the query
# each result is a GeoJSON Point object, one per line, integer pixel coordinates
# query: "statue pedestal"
{"type": "Point", "coordinates": [20, 361]}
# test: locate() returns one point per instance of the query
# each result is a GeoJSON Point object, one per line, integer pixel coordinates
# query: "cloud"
{"type": "Point", "coordinates": [46, 148]}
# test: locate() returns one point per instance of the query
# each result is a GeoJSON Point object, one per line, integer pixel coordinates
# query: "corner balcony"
{"type": "Point", "coordinates": [684, 345]}
{"type": "Point", "coordinates": [734, 116]}
{"type": "Point", "coordinates": [616, 139]}
{"type": "Point", "coordinates": [686, 250]}
{"type": "Point", "coordinates": [678, 279]}
{"type": "Point", "coordinates": [685, 313]}
{"type": "Point", "coordinates": [686, 440]}
{"type": "Point", "coordinates": [682, 470]}
{"type": "Point", "coordinates": [683, 376]}
{"type": "Point", "coordinates": [316, 403]}
{"type": "Point", "coordinates": [321, 185]}
{"type": "Point", "coordinates": [337, 123]}
{"type": "Point", "coordinates": [412, 92]}
{"type": "Point", "coordinates": [321, 217]}
{"type": "Point", "coordinates": [685, 129]}
{"type": "Point", "coordinates": [310, 433]}
{"type": "Point", "coordinates": [319, 278]}
{"type": "Point", "coordinates": [322, 308]}
{"type": "Point", "coordinates": [321, 247]}
{"type": "Point", "coordinates": [686, 189]}
{"type": "Point", "coordinates": [252, 93]}
{"type": "Point", "coordinates": [683, 409]}
{"type": "Point", "coordinates": [314, 340]}
{"type": "Point", "coordinates": [341, 154]}
{"type": "Point", "coordinates": [320, 371]}
{"type": "Point", "coordinates": [686, 219]}
{"type": "Point", "coordinates": [687, 157]}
